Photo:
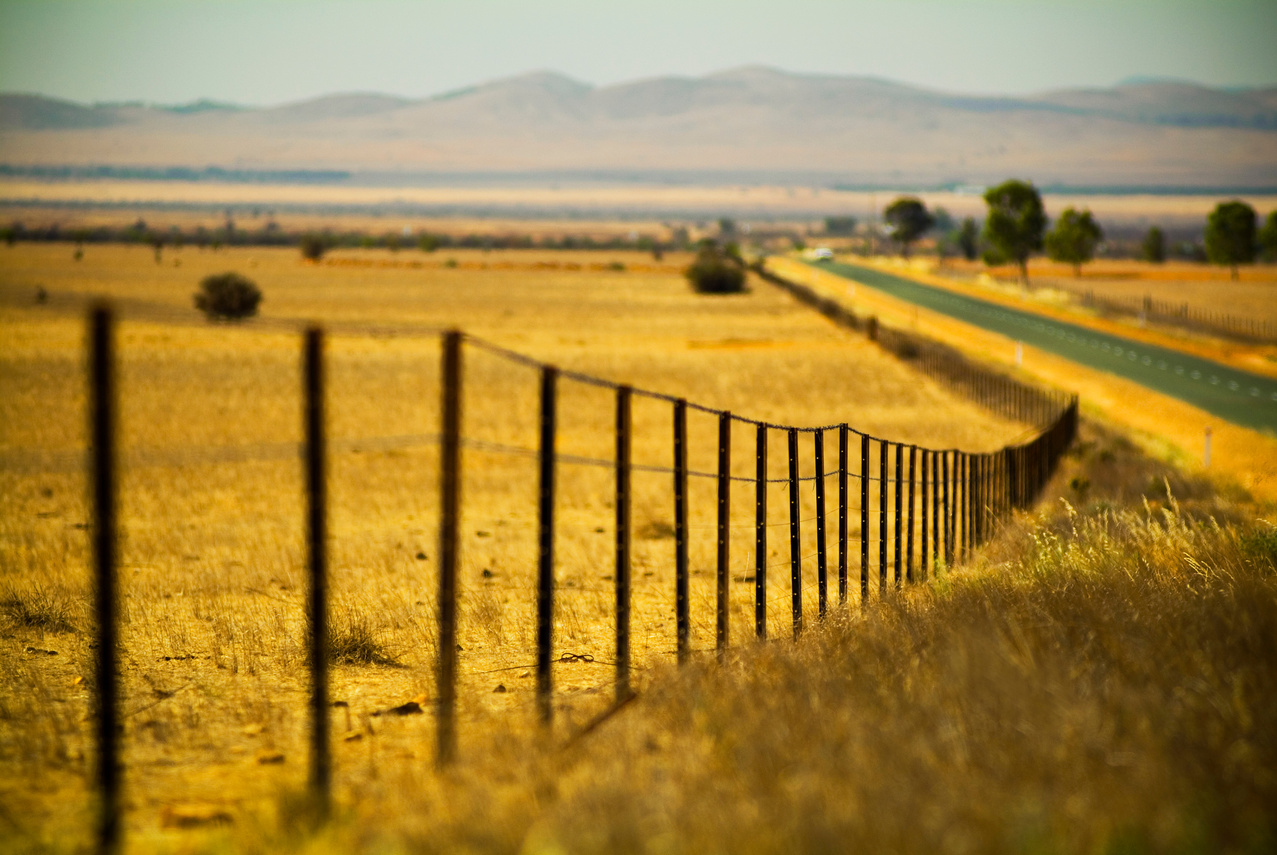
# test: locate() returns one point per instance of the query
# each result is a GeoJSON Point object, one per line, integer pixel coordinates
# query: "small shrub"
{"type": "Point", "coordinates": [228, 296]}
{"type": "Point", "coordinates": [353, 641]}
{"type": "Point", "coordinates": [714, 273]}
{"type": "Point", "coordinates": [313, 246]}
{"type": "Point", "coordinates": [37, 608]}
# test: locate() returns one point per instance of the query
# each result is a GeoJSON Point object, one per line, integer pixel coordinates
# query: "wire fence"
{"type": "Point", "coordinates": [933, 508]}
{"type": "Point", "coordinates": [1147, 308]}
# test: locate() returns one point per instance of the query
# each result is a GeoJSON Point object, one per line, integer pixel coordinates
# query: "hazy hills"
{"type": "Point", "coordinates": [749, 123]}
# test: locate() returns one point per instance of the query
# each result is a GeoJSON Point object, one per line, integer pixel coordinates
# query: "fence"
{"type": "Point", "coordinates": [947, 501]}
{"type": "Point", "coordinates": [1177, 314]}
{"type": "Point", "coordinates": [1001, 393]}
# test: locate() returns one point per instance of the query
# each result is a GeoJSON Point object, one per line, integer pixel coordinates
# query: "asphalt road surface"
{"type": "Point", "coordinates": [1237, 396]}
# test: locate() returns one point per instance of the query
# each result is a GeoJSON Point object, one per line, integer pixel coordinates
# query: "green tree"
{"type": "Point", "coordinates": [909, 220]}
{"type": "Point", "coordinates": [1153, 248]}
{"type": "Point", "coordinates": [1268, 237]}
{"type": "Point", "coordinates": [1015, 223]}
{"type": "Point", "coordinates": [427, 243]}
{"type": "Point", "coordinates": [1073, 239]}
{"type": "Point", "coordinates": [1230, 235]}
{"type": "Point", "coordinates": [944, 222]}
{"type": "Point", "coordinates": [969, 239]}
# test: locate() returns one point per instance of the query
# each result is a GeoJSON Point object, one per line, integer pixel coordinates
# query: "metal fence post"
{"type": "Point", "coordinates": [882, 518]}
{"type": "Point", "coordinates": [900, 449]}
{"type": "Point", "coordinates": [623, 421]}
{"type": "Point", "coordinates": [913, 477]}
{"type": "Point", "coordinates": [821, 571]}
{"type": "Point", "coordinates": [449, 515]}
{"type": "Point", "coordinates": [864, 521]}
{"type": "Point", "coordinates": [102, 424]}
{"type": "Point", "coordinates": [948, 511]}
{"type": "Point", "coordinates": [724, 525]}
{"type": "Point", "coordinates": [924, 550]}
{"type": "Point", "coordinates": [760, 533]}
{"type": "Point", "coordinates": [842, 514]}
{"type": "Point", "coordinates": [936, 488]}
{"type": "Point", "coordinates": [317, 590]}
{"type": "Point", "coordinates": [795, 543]}
{"type": "Point", "coordinates": [681, 611]}
{"type": "Point", "coordinates": [545, 558]}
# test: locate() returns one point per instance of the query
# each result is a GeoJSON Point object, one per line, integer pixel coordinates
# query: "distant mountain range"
{"type": "Point", "coordinates": [748, 124]}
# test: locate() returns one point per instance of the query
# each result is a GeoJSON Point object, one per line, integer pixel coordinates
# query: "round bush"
{"type": "Point", "coordinates": [228, 297]}
{"type": "Point", "coordinates": [313, 246]}
{"type": "Point", "coordinates": [713, 273]}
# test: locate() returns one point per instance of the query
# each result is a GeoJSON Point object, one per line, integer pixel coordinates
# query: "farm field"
{"type": "Point", "coordinates": [533, 198]}
{"type": "Point", "coordinates": [211, 497]}
{"type": "Point", "coordinates": [1201, 286]}
{"type": "Point", "coordinates": [255, 216]}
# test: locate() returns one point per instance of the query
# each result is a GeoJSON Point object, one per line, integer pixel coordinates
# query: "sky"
{"type": "Point", "coordinates": [264, 52]}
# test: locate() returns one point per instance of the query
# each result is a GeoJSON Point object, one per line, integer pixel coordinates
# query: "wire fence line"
{"type": "Point", "coordinates": [955, 501]}
{"type": "Point", "coordinates": [1149, 308]}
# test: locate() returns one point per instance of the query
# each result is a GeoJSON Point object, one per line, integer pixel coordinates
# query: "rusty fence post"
{"type": "Point", "coordinates": [103, 492]}
{"type": "Point", "coordinates": [623, 444]}
{"type": "Point", "coordinates": [760, 532]}
{"type": "Point", "coordinates": [545, 542]}
{"type": "Point", "coordinates": [317, 565]}
{"type": "Point", "coordinates": [681, 611]}
{"type": "Point", "coordinates": [795, 540]}
{"type": "Point", "coordinates": [449, 516]}
{"type": "Point", "coordinates": [724, 526]}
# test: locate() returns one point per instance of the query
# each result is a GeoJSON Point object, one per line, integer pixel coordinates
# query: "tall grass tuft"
{"type": "Point", "coordinates": [354, 640]}
{"type": "Point", "coordinates": [36, 608]}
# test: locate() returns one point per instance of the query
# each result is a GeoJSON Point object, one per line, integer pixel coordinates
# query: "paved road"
{"type": "Point", "coordinates": [1236, 396]}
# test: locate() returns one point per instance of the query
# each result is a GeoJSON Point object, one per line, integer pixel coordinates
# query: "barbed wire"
{"type": "Point", "coordinates": [132, 309]}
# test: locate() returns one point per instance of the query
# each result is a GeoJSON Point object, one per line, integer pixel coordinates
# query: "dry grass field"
{"type": "Point", "coordinates": [598, 199]}
{"type": "Point", "coordinates": [211, 501]}
{"type": "Point", "coordinates": [1201, 286]}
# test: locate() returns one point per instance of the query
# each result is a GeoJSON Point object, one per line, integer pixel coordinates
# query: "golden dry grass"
{"type": "Point", "coordinates": [253, 217]}
{"type": "Point", "coordinates": [1202, 286]}
{"type": "Point", "coordinates": [211, 503]}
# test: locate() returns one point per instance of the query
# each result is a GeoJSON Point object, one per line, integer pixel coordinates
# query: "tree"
{"type": "Point", "coordinates": [969, 239]}
{"type": "Point", "coordinates": [427, 243]}
{"type": "Point", "coordinates": [909, 220]}
{"type": "Point", "coordinates": [1073, 239]}
{"type": "Point", "coordinates": [1153, 249]}
{"type": "Point", "coordinates": [713, 272]}
{"type": "Point", "coordinates": [943, 221]}
{"type": "Point", "coordinates": [1230, 235]}
{"type": "Point", "coordinates": [1268, 237]}
{"type": "Point", "coordinates": [227, 297]}
{"type": "Point", "coordinates": [1015, 223]}
{"type": "Point", "coordinates": [840, 225]}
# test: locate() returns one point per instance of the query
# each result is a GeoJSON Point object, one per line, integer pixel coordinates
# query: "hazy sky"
{"type": "Point", "coordinates": [272, 51]}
